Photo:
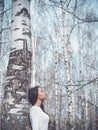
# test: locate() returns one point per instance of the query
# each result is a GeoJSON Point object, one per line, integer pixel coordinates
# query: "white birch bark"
{"type": "Point", "coordinates": [33, 81]}
{"type": "Point", "coordinates": [19, 68]}
{"type": "Point", "coordinates": [1, 20]}
{"type": "Point", "coordinates": [68, 67]}
{"type": "Point", "coordinates": [20, 24]}
{"type": "Point", "coordinates": [81, 92]}
{"type": "Point", "coordinates": [1, 24]}
{"type": "Point", "coordinates": [57, 94]}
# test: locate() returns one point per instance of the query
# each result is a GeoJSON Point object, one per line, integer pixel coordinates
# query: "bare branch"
{"type": "Point", "coordinates": [76, 16]}
{"type": "Point", "coordinates": [91, 81]}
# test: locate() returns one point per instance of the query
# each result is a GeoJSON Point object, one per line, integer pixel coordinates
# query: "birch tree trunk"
{"type": "Point", "coordinates": [1, 20]}
{"type": "Point", "coordinates": [68, 67]}
{"type": "Point", "coordinates": [57, 94]}
{"type": "Point", "coordinates": [1, 24]}
{"type": "Point", "coordinates": [15, 115]}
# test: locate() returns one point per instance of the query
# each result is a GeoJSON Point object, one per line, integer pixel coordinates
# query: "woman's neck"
{"type": "Point", "coordinates": [38, 103]}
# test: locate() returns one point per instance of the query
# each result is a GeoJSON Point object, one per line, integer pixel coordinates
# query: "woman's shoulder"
{"type": "Point", "coordinates": [35, 109]}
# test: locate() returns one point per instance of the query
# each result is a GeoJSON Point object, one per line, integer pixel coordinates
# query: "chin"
{"type": "Point", "coordinates": [45, 98]}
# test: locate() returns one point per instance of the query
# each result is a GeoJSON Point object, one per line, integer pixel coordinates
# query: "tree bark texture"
{"type": "Point", "coordinates": [15, 114]}
{"type": "Point", "coordinates": [1, 20]}
{"type": "Point", "coordinates": [1, 23]}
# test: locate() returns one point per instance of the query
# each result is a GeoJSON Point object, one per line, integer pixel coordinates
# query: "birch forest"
{"type": "Point", "coordinates": [51, 43]}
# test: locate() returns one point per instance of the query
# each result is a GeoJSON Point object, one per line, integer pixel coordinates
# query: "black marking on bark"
{"type": "Point", "coordinates": [12, 49]}
{"type": "Point", "coordinates": [24, 24]}
{"type": "Point", "coordinates": [16, 29]}
{"type": "Point", "coordinates": [23, 11]}
{"type": "Point", "coordinates": [19, 4]}
{"type": "Point", "coordinates": [27, 33]}
{"type": "Point", "coordinates": [20, 39]}
{"type": "Point", "coordinates": [15, 0]}
{"type": "Point", "coordinates": [12, 21]}
{"type": "Point", "coordinates": [23, 21]}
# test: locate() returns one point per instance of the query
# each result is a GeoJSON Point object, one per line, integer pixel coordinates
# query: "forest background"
{"type": "Point", "coordinates": [59, 53]}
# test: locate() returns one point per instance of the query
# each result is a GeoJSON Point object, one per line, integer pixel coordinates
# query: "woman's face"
{"type": "Point", "coordinates": [41, 94]}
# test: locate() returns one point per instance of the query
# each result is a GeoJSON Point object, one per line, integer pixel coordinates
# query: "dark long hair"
{"type": "Point", "coordinates": [33, 95]}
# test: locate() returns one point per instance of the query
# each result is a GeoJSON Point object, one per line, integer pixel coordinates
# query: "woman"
{"type": "Point", "coordinates": [38, 118]}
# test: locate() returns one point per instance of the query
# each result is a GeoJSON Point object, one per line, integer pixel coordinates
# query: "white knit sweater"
{"type": "Point", "coordinates": [39, 119]}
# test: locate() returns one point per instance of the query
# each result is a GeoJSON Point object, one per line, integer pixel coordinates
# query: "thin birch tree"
{"type": "Point", "coordinates": [1, 24]}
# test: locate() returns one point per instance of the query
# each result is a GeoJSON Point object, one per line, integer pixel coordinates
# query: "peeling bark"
{"type": "Point", "coordinates": [15, 114]}
{"type": "Point", "coordinates": [23, 12]}
{"type": "Point", "coordinates": [17, 83]}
